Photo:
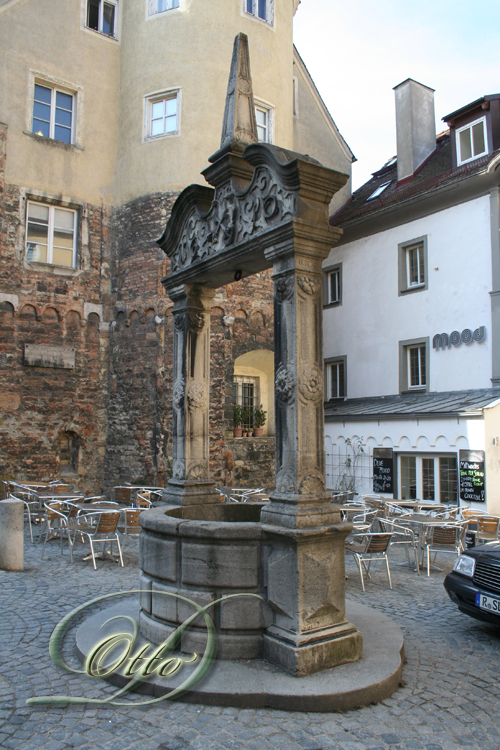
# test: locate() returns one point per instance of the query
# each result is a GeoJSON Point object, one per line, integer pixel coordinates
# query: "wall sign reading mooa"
{"type": "Point", "coordinates": [456, 338]}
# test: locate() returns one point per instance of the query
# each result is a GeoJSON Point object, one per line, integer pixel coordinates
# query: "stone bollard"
{"type": "Point", "coordinates": [11, 534]}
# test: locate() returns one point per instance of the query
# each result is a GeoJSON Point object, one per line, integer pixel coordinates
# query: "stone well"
{"type": "Point", "coordinates": [204, 553]}
{"type": "Point", "coordinates": [268, 208]}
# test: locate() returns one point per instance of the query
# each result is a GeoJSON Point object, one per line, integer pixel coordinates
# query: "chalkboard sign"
{"type": "Point", "coordinates": [472, 477]}
{"type": "Point", "coordinates": [383, 470]}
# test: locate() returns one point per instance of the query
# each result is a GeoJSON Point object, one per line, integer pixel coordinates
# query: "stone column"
{"type": "Point", "coordinates": [306, 580]}
{"type": "Point", "coordinates": [11, 534]}
{"type": "Point", "coordinates": [190, 484]}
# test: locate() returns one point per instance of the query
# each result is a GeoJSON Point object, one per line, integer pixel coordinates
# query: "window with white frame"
{"type": "Point", "coordinates": [51, 234]}
{"type": "Point", "coordinates": [162, 114]}
{"type": "Point", "coordinates": [262, 9]}
{"type": "Point", "coordinates": [472, 141]}
{"type": "Point", "coordinates": [335, 378]}
{"type": "Point", "coordinates": [102, 16]}
{"type": "Point", "coordinates": [429, 477]}
{"type": "Point", "coordinates": [53, 113]}
{"type": "Point", "coordinates": [264, 118]}
{"type": "Point", "coordinates": [332, 285]}
{"type": "Point", "coordinates": [414, 365]}
{"type": "Point", "coordinates": [412, 261]}
{"type": "Point", "coordinates": [160, 6]}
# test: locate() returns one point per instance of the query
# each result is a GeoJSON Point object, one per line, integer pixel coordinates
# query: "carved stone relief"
{"type": "Point", "coordinates": [197, 472]}
{"type": "Point", "coordinates": [197, 396]}
{"type": "Point", "coordinates": [196, 320]}
{"type": "Point", "coordinates": [179, 393]}
{"type": "Point", "coordinates": [311, 383]}
{"type": "Point", "coordinates": [313, 484]}
{"type": "Point", "coordinates": [178, 470]}
{"type": "Point", "coordinates": [308, 285]}
{"type": "Point", "coordinates": [285, 482]}
{"type": "Point", "coordinates": [283, 288]}
{"type": "Point", "coordinates": [284, 385]}
{"type": "Point", "coordinates": [179, 321]}
{"type": "Point", "coordinates": [234, 218]}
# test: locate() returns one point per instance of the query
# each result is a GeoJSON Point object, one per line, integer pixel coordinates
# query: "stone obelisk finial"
{"type": "Point", "coordinates": [239, 127]}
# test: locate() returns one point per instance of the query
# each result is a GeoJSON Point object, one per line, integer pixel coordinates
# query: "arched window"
{"type": "Point", "coordinates": [253, 386]}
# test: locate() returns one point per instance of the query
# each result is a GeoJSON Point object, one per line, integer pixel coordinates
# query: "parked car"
{"type": "Point", "coordinates": [474, 583]}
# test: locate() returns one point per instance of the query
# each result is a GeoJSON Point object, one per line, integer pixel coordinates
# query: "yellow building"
{"type": "Point", "coordinates": [109, 108]}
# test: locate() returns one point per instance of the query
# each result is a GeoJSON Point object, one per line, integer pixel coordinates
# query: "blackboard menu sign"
{"type": "Point", "coordinates": [472, 476]}
{"type": "Point", "coordinates": [383, 470]}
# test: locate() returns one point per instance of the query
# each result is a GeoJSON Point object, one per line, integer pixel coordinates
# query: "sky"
{"type": "Point", "coordinates": [357, 51]}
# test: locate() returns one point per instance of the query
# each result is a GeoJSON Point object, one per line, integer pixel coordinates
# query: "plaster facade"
{"type": "Point", "coordinates": [121, 183]}
{"type": "Point", "coordinates": [411, 319]}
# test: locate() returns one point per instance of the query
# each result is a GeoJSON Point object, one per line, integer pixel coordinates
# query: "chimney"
{"type": "Point", "coordinates": [415, 126]}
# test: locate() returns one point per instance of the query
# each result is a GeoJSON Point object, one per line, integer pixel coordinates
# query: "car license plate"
{"type": "Point", "coordinates": [488, 602]}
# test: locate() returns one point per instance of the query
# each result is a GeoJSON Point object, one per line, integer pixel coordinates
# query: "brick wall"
{"type": "Point", "coordinates": [42, 307]}
{"type": "Point", "coordinates": [141, 340]}
{"type": "Point", "coordinates": [114, 312]}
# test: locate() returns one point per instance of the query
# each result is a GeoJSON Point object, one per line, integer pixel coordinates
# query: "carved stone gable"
{"type": "Point", "coordinates": [233, 219]}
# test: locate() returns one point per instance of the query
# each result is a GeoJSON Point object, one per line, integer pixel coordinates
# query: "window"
{"type": "Point", "coordinates": [162, 114]}
{"type": "Point", "coordinates": [378, 191]}
{"type": "Point", "coordinates": [332, 285]}
{"type": "Point", "coordinates": [246, 394]}
{"type": "Point", "coordinates": [102, 16]}
{"type": "Point", "coordinates": [264, 117]}
{"type": "Point", "coordinates": [262, 9]}
{"type": "Point", "coordinates": [335, 378]}
{"type": "Point", "coordinates": [51, 235]}
{"type": "Point", "coordinates": [412, 261]}
{"type": "Point", "coordinates": [414, 365]}
{"type": "Point", "coordinates": [159, 6]}
{"type": "Point", "coordinates": [53, 113]}
{"type": "Point", "coordinates": [428, 478]}
{"type": "Point", "coordinates": [472, 141]}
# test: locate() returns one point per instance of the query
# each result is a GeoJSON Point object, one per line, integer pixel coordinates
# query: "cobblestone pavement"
{"type": "Point", "coordinates": [448, 699]}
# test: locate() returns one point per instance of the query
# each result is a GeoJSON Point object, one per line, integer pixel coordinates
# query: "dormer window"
{"type": "Point", "coordinates": [472, 141]}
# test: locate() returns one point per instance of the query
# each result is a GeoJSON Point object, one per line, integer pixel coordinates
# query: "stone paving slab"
{"type": "Point", "coordinates": [449, 698]}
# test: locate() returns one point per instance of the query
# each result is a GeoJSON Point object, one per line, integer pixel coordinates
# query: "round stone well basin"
{"type": "Point", "coordinates": [203, 553]}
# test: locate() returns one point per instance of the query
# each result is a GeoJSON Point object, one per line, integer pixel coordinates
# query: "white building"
{"type": "Point", "coordinates": [412, 313]}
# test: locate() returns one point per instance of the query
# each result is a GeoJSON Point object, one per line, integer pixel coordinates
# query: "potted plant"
{"type": "Point", "coordinates": [237, 421]}
{"type": "Point", "coordinates": [259, 420]}
{"type": "Point", "coordinates": [245, 420]}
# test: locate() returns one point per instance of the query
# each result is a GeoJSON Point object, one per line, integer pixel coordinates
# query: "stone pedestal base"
{"type": "Point", "coordinates": [190, 492]}
{"type": "Point", "coordinates": [303, 655]}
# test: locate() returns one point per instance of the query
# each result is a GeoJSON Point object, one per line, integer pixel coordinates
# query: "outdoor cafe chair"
{"type": "Point", "coordinates": [362, 521]}
{"type": "Point", "coordinates": [370, 548]}
{"type": "Point", "coordinates": [375, 502]}
{"type": "Point", "coordinates": [446, 538]}
{"type": "Point", "coordinates": [143, 500]}
{"type": "Point", "coordinates": [129, 522]}
{"type": "Point", "coordinates": [99, 527]}
{"type": "Point", "coordinates": [402, 536]}
{"type": "Point", "coordinates": [56, 526]}
{"type": "Point", "coordinates": [487, 529]}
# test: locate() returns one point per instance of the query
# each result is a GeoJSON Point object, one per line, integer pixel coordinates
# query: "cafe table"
{"type": "Point", "coordinates": [417, 505]}
{"type": "Point", "coordinates": [420, 522]}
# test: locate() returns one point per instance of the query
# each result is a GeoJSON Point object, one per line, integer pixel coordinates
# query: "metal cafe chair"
{"type": "Point", "coordinates": [99, 527]}
{"type": "Point", "coordinates": [371, 548]}
{"type": "Point", "coordinates": [446, 538]}
{"type": "Point", "coordinates": [487, 529]}
{"type": "Point", "coordinates": [56, 526]}
{"type": "Point", "coordinates": [128, 524]}
{"type": "Point", "coordinates": [402, 536]}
